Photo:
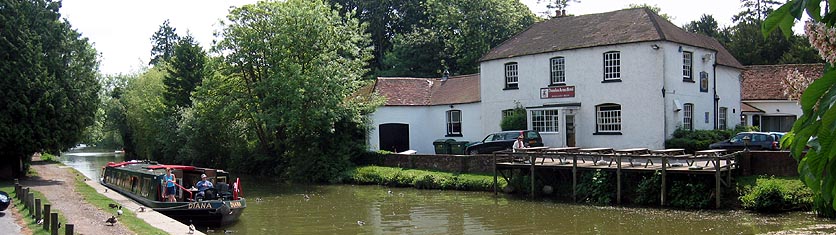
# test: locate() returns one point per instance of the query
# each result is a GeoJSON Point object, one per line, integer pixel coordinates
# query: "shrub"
{"type": "Point", "coordinates": [696, 140]}
{"type": "Point", "coordinates": [690, 194]}
{"type": "Point", "coordinates": [771, 194]}
{"type": "Point", "coordinates": [596, 187]}
{"type": "Point", "coordinates": [421, 179]}
{"type": "Point", "coordinates": [649, 189]}
{"type": "Point", "coordinates": [515, 121]}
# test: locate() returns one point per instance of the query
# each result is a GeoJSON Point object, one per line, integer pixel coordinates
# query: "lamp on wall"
{"type": "Point", "coordinates": [451, 106]}
{"type": "Point", "coordinates": [655, 47]}
{"type": "Point", "coordinates": [680, 48]}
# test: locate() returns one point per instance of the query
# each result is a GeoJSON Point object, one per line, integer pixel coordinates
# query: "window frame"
{"type": "Point", "coordinates": [722, 118]}
{"type": "Point", "coordinates": [512, 76]}
{"type": "Point", "coordinates": [557, 71]}
{"type": "Point", "coordinates": [451, 123]}
{"type": "Point", "coordinates": [612, 66]}
{"type": "Point", "coordinates": [688, 116]}
{"type": "Point", "coordinates": [612, 119]}
{"type": "Point", "coordinates": [688, 66]}
{"type": "Point", "coordinates": [550, 122]}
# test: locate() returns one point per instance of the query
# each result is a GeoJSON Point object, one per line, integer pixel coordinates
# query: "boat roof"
{"type": "Point", "coordinates": [149, 167]}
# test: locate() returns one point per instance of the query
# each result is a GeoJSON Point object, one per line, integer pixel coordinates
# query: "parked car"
{"type": "Point", "coordinates": [504, 140]}
{"type": "Point", "coordinates": [758, 141]}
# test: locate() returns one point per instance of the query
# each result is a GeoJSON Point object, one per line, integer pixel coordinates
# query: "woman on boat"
{"type": "Point", "coordinates": [169, 185]}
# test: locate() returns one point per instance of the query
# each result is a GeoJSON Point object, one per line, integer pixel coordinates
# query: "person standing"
{"type": "Point", "coordinates": [169, 185]}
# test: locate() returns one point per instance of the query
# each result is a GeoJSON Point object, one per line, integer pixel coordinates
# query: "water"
{"type": "Point", "coordinates": [350, 209]}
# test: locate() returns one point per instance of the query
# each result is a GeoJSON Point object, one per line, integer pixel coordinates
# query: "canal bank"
{"type": "Point", "coordinates": [57, 183]}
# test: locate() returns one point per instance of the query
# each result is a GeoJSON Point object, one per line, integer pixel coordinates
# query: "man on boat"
{"type": "Point", "coordinates": [203, 185]}
{"type": "Point", "coordinates": [169, 185]}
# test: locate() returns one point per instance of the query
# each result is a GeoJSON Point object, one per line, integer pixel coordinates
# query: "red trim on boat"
{"type": "Point", "coordinates": [176, 167]}
{"type": "Point", "coordinates": [113, 164]}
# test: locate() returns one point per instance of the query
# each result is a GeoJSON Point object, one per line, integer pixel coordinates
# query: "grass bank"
{"type": "Point", "coordinates": [774, 194]}
{"type": "Point", "coordinates": [421, 179]}
{"type": "Point", "coordinates": [28, 218]}
{"type": "Point", "coordinates": [102, 202]}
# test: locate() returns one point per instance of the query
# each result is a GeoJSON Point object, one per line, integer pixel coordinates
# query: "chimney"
{"type": "Point", "coordinates": [445, 76]}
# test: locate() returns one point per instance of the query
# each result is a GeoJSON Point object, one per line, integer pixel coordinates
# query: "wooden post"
{"type": "Point", "coordinates": [664, 175]}
{"type": "Point", "coordinates": [53, 220]}
{"type": "Point", "coordinates": [717, 180]}
{"type": "Point", "coordinates": [618, 179]}
{"type": "Point", "coordinates": [30, 203]}
{"type": "Point", "coordinates": [575, 177]}
{"type": "Point", "coordinates": [532, 159]}
{"type": "Point", "coordinates": [17, 191]}
{"type": "Point", "coordinates": [37, 209]}
{"type": "Point", "coordinates": [69, 229]}
{"type": "Point", "coordinates": [495, 180]}
{"type": "Point", "coordinates": [46, 217]}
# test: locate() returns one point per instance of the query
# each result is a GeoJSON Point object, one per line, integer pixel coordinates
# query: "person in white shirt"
{"type": "Point", "coordinates": [519, 143]}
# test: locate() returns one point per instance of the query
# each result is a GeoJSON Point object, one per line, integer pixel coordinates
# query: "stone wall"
{"type": "Point", "coordinates": [777, 163]}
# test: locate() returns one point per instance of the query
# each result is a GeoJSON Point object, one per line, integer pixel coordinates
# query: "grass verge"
{"type": "Point", "coordinates": [95, 198]}
{"type": "Point", "coordinates": [422, 179]}
{"type": "Point", "coordinates": [29, 218]}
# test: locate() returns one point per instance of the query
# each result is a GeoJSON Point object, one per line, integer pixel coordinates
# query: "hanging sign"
{"type": "Point", "coordinates": [557, 92]}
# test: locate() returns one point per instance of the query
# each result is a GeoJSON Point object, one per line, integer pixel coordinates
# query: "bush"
{"type": "Point", "coordinates": [649, 189]}
{"type": "Point", "coordinates": [771, 194]}
{"type": "Point", "coordinates": [596, 187]}
{"type": "Point", "coordinates": [422, 179]}
{"type": "Point", "coordinates": [690, 194]}
{"type": "Point", "coordinates": [515, 121]}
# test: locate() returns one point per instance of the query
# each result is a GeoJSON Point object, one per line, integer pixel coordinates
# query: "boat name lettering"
{"type": "Point", "coordinates": [235, 204]}
{"type": "Point", "coordinates": [200, 205]}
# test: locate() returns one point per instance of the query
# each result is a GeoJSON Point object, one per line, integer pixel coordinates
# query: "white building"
{"type": "Point", "coordinates": [763, 100]}
{"type": "Point", "coordinates": [619, 79]}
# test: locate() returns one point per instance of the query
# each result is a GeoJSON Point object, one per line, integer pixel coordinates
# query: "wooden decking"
{"type": "Point", "coordinates": [670, 161]}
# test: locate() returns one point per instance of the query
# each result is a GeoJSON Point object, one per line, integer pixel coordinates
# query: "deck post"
{"type": "Point", "coordinates": [495, 181]}
{"type": "Point", "coordinates": [618, 179]}
{"type": "Point", "coordinates": [664, 176]}
{"type": "Point", "coordinates": [717, 178]}
{"type": "Point", "coordinates": [574, 177]}
{"type": "Point", "coordinates": [532, 159]}
{"type": "Point", "coordinates": [53, 220]}
{"type": "Point", "coordinates": [46, 218]}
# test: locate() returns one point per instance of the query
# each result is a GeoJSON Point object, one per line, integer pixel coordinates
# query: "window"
{"type": "Point", "coordinates": [608, 118]}
{"type": "Point", "coordinates": [544, 120]}
{"type": "Point", "coordinates": [721, 120]}
{"type": "Point", "coordinates": [558, 74]}
{"type": "Point", "coordinates": [511, 76]}
{"type": "Point", "coordinates": [454, 123]}
{"type": "Point", "coordinates": [687, 66]}
{"type": "Point", "coordinates": [688, 120]}
{"type": "Point", "coordinates": [612, 65]}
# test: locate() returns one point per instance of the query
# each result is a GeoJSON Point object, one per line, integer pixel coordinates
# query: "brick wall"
{"type": "Point", "coordinates": [777, 163]}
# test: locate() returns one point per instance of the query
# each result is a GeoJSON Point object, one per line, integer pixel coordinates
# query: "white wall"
{"type": "Point", "coordinates": [426, 124]}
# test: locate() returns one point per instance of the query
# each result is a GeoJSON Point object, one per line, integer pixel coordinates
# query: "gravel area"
{"type": "Point", "coordinates": [57, 183]}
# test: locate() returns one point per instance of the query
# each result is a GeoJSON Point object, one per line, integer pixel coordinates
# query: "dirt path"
{"type": "Point", "coordinates": [57, 183]}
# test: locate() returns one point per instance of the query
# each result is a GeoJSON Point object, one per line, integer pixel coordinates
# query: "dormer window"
{"type": "Point", "coordinates": [511, 76]}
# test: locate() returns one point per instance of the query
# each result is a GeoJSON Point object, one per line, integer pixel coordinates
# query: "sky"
{"type": "Point", "coordinates": [121, 30]}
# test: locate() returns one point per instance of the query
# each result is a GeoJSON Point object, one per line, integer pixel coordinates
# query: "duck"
{"type": "Point", "coordinates": [191, 227]}
{"type": "Point", "coordinates": [119, 212]}
{"type": "Point", "coordinates": [140, 209]}
{"type": "Point", "coordinates": [361, 223]}
{"type": "Point", "coordinates": [306, 197]}
{"type": "Point", "coordinates": [112, 220]}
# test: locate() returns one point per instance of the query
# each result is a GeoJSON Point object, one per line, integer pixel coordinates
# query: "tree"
{"type": "Point", "coordinates": [707, 26]}
{"type": "Point", "coordinates": [48, 79]}
{"type": "Point", "coordinates": [185, 72]}
{"type": "Point", "coordinates": [813, 132]}
{"type": "Point", "coordinates": [297, 63]}
{"type": "Point", "coordinates": [755, 10]}
{"type": "Point", "coordinates": [163, 42]}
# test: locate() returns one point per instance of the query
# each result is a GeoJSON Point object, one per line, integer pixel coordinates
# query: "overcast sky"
{"type": "Point", "coordinates": [121, 30]}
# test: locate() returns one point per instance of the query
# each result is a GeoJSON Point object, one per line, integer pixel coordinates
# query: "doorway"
{"type": "Point", "coordinates": [570, 130]}
{"type": "Point", "coordinates": [394, 137]}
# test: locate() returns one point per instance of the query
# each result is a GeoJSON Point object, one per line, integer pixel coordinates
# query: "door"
{"type": "Point", "coordinates": [394, 137]}
{"type": "Point", "coordinates": [570, 130]}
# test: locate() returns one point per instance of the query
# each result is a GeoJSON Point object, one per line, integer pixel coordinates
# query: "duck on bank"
{"type": "Point", "coordinates": [143, 181]}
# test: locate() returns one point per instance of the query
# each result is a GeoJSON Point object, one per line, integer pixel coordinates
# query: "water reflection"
{"type": "Point", "coordinates": [91, 161]}
{"type": "Point", "coordinates": [350, 209]}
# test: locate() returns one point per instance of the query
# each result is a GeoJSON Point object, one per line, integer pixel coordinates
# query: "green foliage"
{"type": "Point", "coordinates": [596, 187]}
{"type": "Point", "coordinates": [649, 189]}
{"type": "Point", "coordinates": [163, 43]}
{"type": "Point", "coordinates": [690, 194]}
{"type": "Point", "coordinates": [421, 179]}
{"type": "Point", "coordinates": [49, 157]}
{"type": "Point", "coordinates": [185, 71]}
{"type": "Point", "coordinates": [47, 80]}
{"type": "Point", "coordinates": [813, 131]}
{"type": "Point", "coordinates": [771, 194]}
{"type": "Point", "coordinates": [516, 121]}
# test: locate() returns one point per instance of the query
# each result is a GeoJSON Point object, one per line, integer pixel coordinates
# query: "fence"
{"type": "Point", "coordinates": [41, 213]}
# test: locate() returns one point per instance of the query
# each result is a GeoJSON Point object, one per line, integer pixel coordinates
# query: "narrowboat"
{"type": "Point", "coordinates": [143, 181]}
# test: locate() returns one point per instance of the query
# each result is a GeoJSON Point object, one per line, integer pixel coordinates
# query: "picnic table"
{"type": "Point", "coordinates": [594, 152]}
{"type": "Point", "coordinates": [711, 153]}
{"type": "Point", "coordinates": [561, 150]}
{"type": "Point", "coordinates": [630, 153]}
{"type": "Point", "coordinates": [672, 153]}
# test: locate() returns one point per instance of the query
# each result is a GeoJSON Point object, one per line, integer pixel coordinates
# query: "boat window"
{"type": "Point", "coordinates": [146, 187]}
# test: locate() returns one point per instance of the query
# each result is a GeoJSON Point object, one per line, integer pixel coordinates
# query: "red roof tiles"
{"type": "Point", "coordinates": [403, 91]}
{"type": "Point", "coordinates": [764, 82]}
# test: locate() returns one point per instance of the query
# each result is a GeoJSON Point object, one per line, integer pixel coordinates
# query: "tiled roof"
{"type": "Point", "coordinates": [763, 82]}
{"type": "Point", "coordinates": [610, 28]}
{"type": "Point", "coordinates": [401, 91]}
{"type": "Point", "coordinates": [744, 107]}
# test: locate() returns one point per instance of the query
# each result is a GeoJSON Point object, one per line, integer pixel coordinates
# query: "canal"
{"type": "Point", "coordinates": [277, 208]}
